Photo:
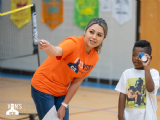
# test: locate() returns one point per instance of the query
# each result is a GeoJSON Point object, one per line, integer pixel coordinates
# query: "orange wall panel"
{"type": "Point", "coordinates": [150, 28]}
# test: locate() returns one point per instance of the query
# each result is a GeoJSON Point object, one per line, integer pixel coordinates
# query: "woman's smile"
{"type": "Point", "coordinates": [92, 41]}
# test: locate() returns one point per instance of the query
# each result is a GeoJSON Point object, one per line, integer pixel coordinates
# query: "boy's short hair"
{"type": "Point", "coordinates": [144, 44]}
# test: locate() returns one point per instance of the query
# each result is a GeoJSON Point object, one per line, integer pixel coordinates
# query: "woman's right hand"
{"type": "Point", "coordinates": [44, 45]}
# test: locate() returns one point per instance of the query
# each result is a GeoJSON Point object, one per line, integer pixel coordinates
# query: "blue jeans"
{"type": "Point", "coordinates": [44, 102]}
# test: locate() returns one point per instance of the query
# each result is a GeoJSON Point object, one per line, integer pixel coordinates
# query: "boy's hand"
{"type": "Point", "coordinates": [146, 64]}
{"type": "Point", "coordinates": [44, 44]}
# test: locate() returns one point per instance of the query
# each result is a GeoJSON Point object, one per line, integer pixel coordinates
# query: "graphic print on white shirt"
{"type": "Point", "coordinates": [136, 93]}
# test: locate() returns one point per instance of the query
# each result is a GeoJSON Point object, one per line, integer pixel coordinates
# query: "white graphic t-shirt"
{"type": "Point", "coordinates": [140, 104]}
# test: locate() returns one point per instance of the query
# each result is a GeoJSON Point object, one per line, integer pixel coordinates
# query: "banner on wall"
{"type": "Point", "coordinates": [52, 12]}
{"type": "Point", "coordinates": [122, 10]}
{"type": "Point", "coordinates": [105, 5]}
{"type": "Point", "coordinates": [85, 10]}
{"type": "Point", "coordinates": [21, 17]}
{"type": "Point", "coordinates": [0, 6]}
{"type": "Point", "coordinates": [0, 9]}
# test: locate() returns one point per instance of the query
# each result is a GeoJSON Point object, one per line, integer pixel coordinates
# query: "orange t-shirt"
{"type": "Point", "coordinates": [55, 73]}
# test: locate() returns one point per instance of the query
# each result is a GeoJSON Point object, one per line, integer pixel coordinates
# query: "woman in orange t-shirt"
{"type": "Point", "coordinates": [69, 62]}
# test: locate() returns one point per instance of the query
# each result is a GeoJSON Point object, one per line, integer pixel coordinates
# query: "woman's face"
{"type": "Point", "coordinates": [94, 35]}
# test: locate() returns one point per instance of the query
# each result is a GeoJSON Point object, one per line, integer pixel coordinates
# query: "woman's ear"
{"type": "Point", "coordinates": [84, 32]}
{"type": "Point", "coordinates": [151, 57]}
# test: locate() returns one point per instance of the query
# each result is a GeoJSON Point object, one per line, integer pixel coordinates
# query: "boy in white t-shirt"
{"type": "Point", "coordinates": [138, 87]}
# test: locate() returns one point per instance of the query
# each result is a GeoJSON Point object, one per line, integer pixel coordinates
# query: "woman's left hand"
{"type": "Point", "coordinates": [61, 112]}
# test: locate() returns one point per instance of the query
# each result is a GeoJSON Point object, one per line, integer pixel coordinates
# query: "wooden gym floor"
{"type": "Point", "coordinates": [88, 103]}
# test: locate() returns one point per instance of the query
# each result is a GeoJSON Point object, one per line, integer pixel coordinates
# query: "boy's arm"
{"type": "Point", "coordinates": [148, 77]}
{"type": "Point", "coordinates": [121, 106]}
{"type": "Point", "coordinates": [149, 80]}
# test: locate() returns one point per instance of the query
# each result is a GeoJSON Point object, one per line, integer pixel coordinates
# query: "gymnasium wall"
{"type": "Point", "coordinates": [116, 52]}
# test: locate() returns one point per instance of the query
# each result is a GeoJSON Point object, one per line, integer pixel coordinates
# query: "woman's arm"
{"type": "Point", "coordinates": [50, 49]}
{"type": "Point", "coordinates": [70, 93]}
{"type": "Point", "coordinates": [121, 105]}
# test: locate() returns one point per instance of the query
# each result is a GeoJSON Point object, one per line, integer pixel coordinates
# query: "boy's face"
{"type": "Point", "coordinates": [135, 58]}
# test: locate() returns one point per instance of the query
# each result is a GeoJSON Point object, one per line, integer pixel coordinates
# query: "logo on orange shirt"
{"type": "Point", "coordinates": [75, 66]}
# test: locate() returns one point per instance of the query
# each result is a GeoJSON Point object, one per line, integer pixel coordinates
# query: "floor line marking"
{"type": "Point", "coordinates": [95, 110]}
